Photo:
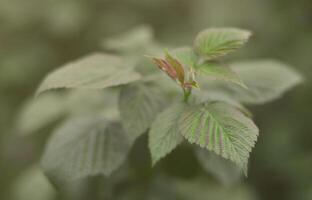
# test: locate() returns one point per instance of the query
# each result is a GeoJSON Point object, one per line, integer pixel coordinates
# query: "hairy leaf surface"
{"type": "Point", "coordinates": [164, 135]}
{"type": "Point", "coordinates": [139, 105]}
{"type": "Point", "coordinates": [266, 80]}
{"type": "Point", "coordinates": [215, 42]}
{"type": "Point", "coordinates": [96, 71]}
{"type": "Point", "coordinates": [218, 71]}
{"type": "Point", "coordinates": [85, 146]}
{"type": "Point", "coordinates": [220, 96]}
{"type": "Point", "coordinates": [49, 108]}
{"type": "Point", "coordinates": [220, 128]}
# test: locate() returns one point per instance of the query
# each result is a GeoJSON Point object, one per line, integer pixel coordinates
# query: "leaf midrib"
{"type": "Point", "coordinates": [224, 134]}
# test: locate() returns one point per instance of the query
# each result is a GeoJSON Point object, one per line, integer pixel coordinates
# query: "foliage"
{"type": "Point", "coordinates": [33, 42]}
{"type": "Point", "coordinates": [87, 146]}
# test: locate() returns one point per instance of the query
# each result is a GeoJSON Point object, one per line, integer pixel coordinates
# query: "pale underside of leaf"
{"type": "Point", "coordinates": [216, 42]}
{"type": "Point", "coordinates": [222, 129]}
{"type": "Point", "coordinates": [139, 105]}
{"type": "Point", "coordinates": [218, 71]}
{"type": "Point", "coordinates": [49, 108]}
{"type": "Point", "coordinates": [87, 102]}
{"type": "Point", "coordinates": [164, 135]}
{"type": "Point", "coordinates": [96, 71]}
{"type": "Point", "coordinates": [85, 146]}
{"type": "Point", "coordinates": [267, 80]}
{"type": "Point", "coordinates": [219, 96]}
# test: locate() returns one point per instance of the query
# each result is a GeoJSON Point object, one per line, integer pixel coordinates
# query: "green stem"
{"type": "Point", "coordinates": [187, 94]}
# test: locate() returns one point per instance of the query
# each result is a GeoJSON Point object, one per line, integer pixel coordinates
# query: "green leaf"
{"type": "Point", "coordinates": [266, 80]}
{"type": "Point", "coordinates": [44, 111]}
{"type": "Point", "coordinates": [85, 146]}
{"type": "Point", "coordinates": [216, 42]}
{"type": "Point", "coordinates": [222, 129]}
{"type": "Point", "coordinates": [213, 96]}
{"type": "Point", "coordinates": [164, 135]}
{"type": "Point", "coordinates": [139, 105]}
{"type": "Point", "coordinates": [161, 80]}
{"type": "Point", "coordinates": [186, 56]}
{"type": "Point", "coordinates": [96, 71]}
{"type": "Point", "coordinates": [87, 102]}
{"type": "Point", "coordinates": [223, 170]}
{"type": "Point", "coordinates": [218, 71]}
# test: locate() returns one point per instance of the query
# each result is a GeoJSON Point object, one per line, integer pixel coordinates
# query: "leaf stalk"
{"type": "Point", "coordinates": [187, 93]}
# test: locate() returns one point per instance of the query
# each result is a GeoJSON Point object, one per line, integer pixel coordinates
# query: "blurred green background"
{"type": "Point", "coordinates": [37, 36]}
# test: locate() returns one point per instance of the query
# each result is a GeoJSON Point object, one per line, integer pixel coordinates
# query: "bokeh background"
{"type": "Point", "coordinates": [37, 36]}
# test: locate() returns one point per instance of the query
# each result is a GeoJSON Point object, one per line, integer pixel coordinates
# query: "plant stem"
{"type": "Point", "coordinates": [187, 94]}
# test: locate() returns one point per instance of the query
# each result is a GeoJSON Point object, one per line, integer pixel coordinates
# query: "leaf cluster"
{"type": "Point", "coordinates": [108, 100]}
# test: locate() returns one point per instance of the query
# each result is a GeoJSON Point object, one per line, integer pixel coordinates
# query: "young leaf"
{"type": "Point", "coordinates": [223, 170]}
{"type": "Point", "coordinates": [218, 71]}
{"type": "Point", "coordinates": [166, 67]}
{"type": "Point", "coordinates": [220, 128]}
{"type": "Point", "coordinates": [183, 75]}
{"type": "Point", "coordinates": [266, 80]}
{"type": "Point", "coordinates": [216, 42]}
{"type": "Point", "coordinates": [96, 71]}
{"type": "Point", "coordinates": [85, 146]}
{"type": "Point", "coordinates": [164, 135]}
{"type": "Point", "coordinates": [178, 68]}
{"type": "Point", "coordinates": [139, 105]}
